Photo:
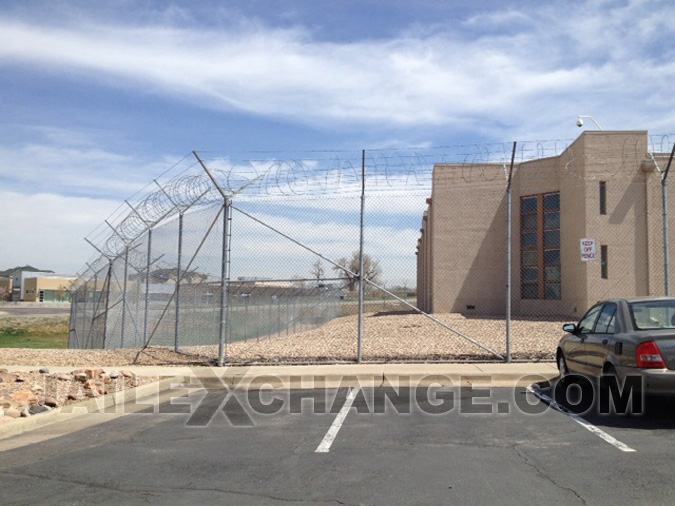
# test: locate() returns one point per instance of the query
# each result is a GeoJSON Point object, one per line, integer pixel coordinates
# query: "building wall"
{"type": "Point", "coordinates": [467, 240]}
{"type": "Point", "coordinates": [428, 259]}
{"type": "Point", "coordinates": [468, 233]}
{"type": "Point", "coordinates": [536, 178]}
{"type": "Point", "coordinates": [625, 228]}
{"type": "Point", "coordinates": [33, 286]}
{"type": "Point", "coordinates": [6, 288]}
{"type": "Point", "coordinates": [654, 211]}
{"type": "Point", "coordinates": [19, 278]}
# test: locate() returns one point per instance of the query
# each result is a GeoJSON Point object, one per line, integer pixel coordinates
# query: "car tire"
{"type": "Point", "coordinates": [562, 368]}
{"type": "Point", "coordinates": [608, 371]}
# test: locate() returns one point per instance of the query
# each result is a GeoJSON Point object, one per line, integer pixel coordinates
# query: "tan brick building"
{"type": "Point", "coordinates": [47, 289]}
{"type": "Point", "coordinates": [605, 186]}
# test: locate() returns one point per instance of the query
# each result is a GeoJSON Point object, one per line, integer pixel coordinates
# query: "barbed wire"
{"type": "Point", "coordinates": [318, 174]}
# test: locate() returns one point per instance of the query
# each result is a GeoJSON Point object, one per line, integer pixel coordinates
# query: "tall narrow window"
{"type": "Point", "coordinates": [529, 247]}
{"type": "Point", "coordinates": [603, 197]}
{"type": "Point", "coordinates": [540, 246]}
{"type": "Point", "coordinates": [603, 261]}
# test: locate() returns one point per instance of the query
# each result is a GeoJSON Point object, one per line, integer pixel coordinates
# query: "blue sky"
{"type": "Point", "coordinates": [98, 98]}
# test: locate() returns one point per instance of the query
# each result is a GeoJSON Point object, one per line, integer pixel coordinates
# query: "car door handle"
{"type": "Point", "coordinates": [605, 341]}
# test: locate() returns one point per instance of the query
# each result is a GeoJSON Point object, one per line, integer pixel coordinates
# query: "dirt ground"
{"type": "Point", "coordinates": [388, 337]}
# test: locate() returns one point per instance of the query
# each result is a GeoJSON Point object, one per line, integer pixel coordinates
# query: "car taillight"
{"type": "Point", "coordinates": [649, 356]}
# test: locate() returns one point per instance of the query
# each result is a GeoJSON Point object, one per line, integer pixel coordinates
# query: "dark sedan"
{"type": "Point", "coordinates": [623, 337]}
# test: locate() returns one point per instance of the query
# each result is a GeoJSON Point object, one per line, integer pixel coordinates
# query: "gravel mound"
{"type": "Point", "coordinates": [386, 337]}
{"type": "Point", "coordinates": [401, 337]}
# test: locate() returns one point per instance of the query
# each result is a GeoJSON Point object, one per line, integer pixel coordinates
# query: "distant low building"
{"type": "Point", "coordinates": [47, 289]}
{"type": "Point", "coordinates": [18, 274]}
{"type": "Point", "coordinates": [28, 284]}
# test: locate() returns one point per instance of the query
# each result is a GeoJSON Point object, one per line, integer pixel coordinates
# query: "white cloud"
{"type": "Point", "coordinates": [497, 19]}
{"type": "Point", "coordinates": [47, 230]}
{"type": "Point", "coordinates": [550, 56]}
{"type": "Point", "coordinates": [257, 251]}
{"type": "Point", "coordinates": [524, 73]}
{"type": "Point", "coordinates": [70, 162]}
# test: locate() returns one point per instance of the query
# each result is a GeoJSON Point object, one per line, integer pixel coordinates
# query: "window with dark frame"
{"type": "Point", "coordinates": [603, 197]}
{"type": "Point", "coordinates": [540, 246]}
{"type": "Point", "coordinates": [603, 261]}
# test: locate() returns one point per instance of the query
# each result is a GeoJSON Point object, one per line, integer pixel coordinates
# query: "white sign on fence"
{"type": "Point", "coordinates": [588, 250]}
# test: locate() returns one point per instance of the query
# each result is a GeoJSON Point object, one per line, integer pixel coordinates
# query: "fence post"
{"type": "Point", "coordinates": [94, 305]}
{"type": "Point", "coordinates": [363, 204]}
{"type": "Point", "coordinates": [124, 294]}
{"type": "Point", "coordinates": [179, 274]}
{"type": "Point", "coordinates": [72, 324]}
{"type": "Point", "coordinates": [509, 193]}
{"type": "Point", "coordinates": [85, 295]}
{"type": "Point", "coordinates": [147, 289]}
{"type": "Point", "coordinates": [107, 303]}
{"type": "Point", "coordinates": [664, 201]}
{"type": "Point", "coordinates": [222, 331]}
{"type": "Point", "coordinates": [225, 261]}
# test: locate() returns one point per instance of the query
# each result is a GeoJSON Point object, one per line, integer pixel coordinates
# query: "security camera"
{"type": "Point", "coordinates": [580, 122]}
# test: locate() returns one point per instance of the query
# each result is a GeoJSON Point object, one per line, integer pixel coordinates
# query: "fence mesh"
{"type": "Point", "coordinates": [259, 260]}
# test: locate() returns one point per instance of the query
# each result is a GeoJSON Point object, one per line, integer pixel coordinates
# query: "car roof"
{"type": "Point", "coordinates": [630, 300]}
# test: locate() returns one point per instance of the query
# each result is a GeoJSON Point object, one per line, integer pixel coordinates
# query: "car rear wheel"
{"type": "Point", "coordinates": [562, 367]}
{"type": "Point", "coordinates": [609, 376]}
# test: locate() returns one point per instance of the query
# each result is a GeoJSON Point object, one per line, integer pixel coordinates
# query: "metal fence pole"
{"type": "Point", "coordinates": [94, 305]}
{"type": "Point", "coordinates": [666, 246]}
{"type": "Point", "coordinates": [225, 262]}
{"type": "Point", "coordinates": [124, 294]}
{"type": "Point", "coordinates": [257, 320]}
{"type": "Point", "coordinates": [245, 318]}
{"type": "Point", "coordinates": [295, 312]}
{"type": "Point", "coordinates": [222, 331]}
{"type": "Point", "coordinates": [85, 295]}
{"type": "Point", "coordinates": [107, 303]}
{"type": "Point", "coordinates": [179, 274]}
{"type": "Point", "coordinates": [509, 195]}
{"type": "Point", "coordinates": [73, 341]}
{"type": "Point", "coordinates": [359, 357]}
{"type": "Point", "coordinates": [147, 289]}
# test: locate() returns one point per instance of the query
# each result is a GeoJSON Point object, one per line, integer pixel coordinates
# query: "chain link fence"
{"type": "Point", "coordinates": [466, 252]}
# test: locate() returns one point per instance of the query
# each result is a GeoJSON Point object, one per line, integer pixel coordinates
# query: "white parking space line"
{"type": "Point", "coordinates": [581, 421]}
{"type": "Point", "coordinates": [324, 446]}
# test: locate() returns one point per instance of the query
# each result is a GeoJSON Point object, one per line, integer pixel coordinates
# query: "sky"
{"type": "Point", "coordinates": [99, 98]}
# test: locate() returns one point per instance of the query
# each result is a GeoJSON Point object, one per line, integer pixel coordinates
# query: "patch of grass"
{"type": "Point", "coordinates": [40, 332]}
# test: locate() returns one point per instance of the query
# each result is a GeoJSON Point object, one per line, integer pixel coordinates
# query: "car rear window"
{"type": "Point", "coordinates": [650, 315]}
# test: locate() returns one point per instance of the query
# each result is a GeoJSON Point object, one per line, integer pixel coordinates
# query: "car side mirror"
{"type": "Point", "coordinates": [570, 327]}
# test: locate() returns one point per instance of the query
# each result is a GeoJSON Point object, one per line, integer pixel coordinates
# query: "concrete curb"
{"type": "Point", "coordinates": [350, 375]}
{"type": "Point", "coordinates": [71, 411]}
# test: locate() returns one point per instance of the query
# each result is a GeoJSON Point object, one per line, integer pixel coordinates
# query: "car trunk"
{"type": "Point", "coordinates": [665, 342]}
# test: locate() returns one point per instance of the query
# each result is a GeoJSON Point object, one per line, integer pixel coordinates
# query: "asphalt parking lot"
{"type": "Point", "coordinates": [350, 447]}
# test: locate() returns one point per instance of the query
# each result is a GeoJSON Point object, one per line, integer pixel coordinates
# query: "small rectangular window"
{"type": "Point", "coordinates": [603, 197]}
{"type": "Point", "coordinates": [603, 261]}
